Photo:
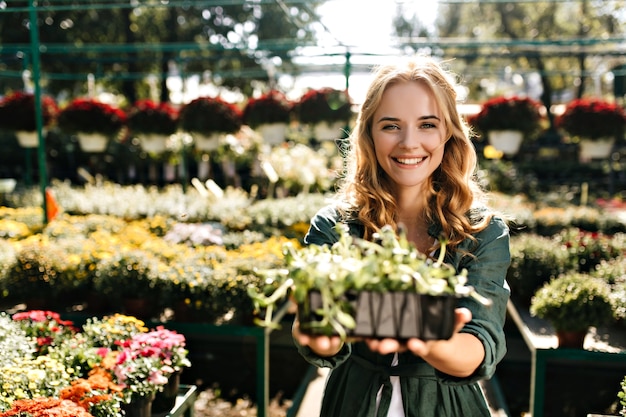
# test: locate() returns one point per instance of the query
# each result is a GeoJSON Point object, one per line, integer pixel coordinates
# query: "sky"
{"type": "Point", "coordinates": [358, 25]}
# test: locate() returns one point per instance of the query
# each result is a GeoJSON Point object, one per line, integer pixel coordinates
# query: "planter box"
{"type": "Point", "coordinates": [398, 315]}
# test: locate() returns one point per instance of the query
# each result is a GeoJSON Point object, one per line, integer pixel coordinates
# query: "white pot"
{"type": "Point", "coordinates": [27, 139]}
{"type": "Point", "coordinates": [328, 131]}
{"type": "Point", "coordinates": [506, 141]}
{"type": "Point", "coordinates": [152, 142]}
{"type": "Point", "coordinates": [207, 143]}
{"type": "Point", "coordinates": [273, 133]}
{"type": "Point", "coordinates": [93, 142]}
{"type": "Point", "coordinates": [595, 149]}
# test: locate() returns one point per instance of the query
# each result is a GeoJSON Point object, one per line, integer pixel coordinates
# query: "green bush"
{"type": "Point", "coordinates": [535, 260]}
{"type": "Point", "coordinates": [573, 302]}
{"type": "Point", "coordinates": [613, 271]}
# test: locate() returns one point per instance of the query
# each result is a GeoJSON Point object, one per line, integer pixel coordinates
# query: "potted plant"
{"type": "Point", "coordinates": [269, 114]}
{"type": "Point", "coordinates": [109, 331]}
{"type": "Point", "coordinates": [595, 123]}
{"type": "Point", "coordinates": [366, 289]}
{"type": "Point", "coordinates": [152, 123]}
{"type": "Point", "coordinates": [46, 327]}
{"type": "Point", "coordinates": [572, 303]}
{"type": "Point", "coordinates": [169, 347]}
{"type": "Point", "coordinates": [93, 121]}
{"type": "Point", "coordinates": [17, 113]}
{"type": "Point", "coordinates": [327, 110]}
{"type": "Point", "coordinates": [208, 119]}
{"type": "Point", "coordinates": [520, 115]}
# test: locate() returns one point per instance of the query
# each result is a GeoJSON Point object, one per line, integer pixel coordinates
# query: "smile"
{"type": "Point", "coordinates": [409, 161]}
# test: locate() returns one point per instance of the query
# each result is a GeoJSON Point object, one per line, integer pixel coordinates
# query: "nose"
{"type": "Point", "coordinates": [410, 139]}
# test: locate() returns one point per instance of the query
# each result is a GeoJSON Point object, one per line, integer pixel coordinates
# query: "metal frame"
{"type": "Point", "coordinates": [542, 354]}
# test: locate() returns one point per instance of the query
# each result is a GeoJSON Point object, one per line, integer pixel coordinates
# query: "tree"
{"type": "Point", "coordinates": [529, 27]}
{"type": "Point", "coordinates": [231, 44]}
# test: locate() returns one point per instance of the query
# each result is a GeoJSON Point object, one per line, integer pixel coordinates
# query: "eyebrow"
{"type": "Point", "coordinates": [394, 119]}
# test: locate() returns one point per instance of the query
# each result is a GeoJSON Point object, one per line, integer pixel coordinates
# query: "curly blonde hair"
{"type": "Point", "coordinates": [451, 190]}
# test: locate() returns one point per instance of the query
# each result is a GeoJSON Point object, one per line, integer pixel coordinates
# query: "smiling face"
{"type": "Point", "coordinates": [409, 134]}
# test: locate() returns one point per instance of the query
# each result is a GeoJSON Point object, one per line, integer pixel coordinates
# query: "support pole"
{"type": "Point", "coordinates": [41, 149]}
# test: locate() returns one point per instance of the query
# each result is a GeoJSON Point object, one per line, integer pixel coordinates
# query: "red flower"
{"type": "Point", "coordinates": [46, 326]}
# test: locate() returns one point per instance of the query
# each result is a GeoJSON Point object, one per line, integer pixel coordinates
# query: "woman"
{"type": "Point", "coordinates": [411, 165]}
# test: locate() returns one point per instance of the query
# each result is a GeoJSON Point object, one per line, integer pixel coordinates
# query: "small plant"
{"type": "Point", "coordinates": [592, 118]}
{"type": "Point", "coordinates": [573, 302]}
{"type": "Point", "coordinates": [388, 264]}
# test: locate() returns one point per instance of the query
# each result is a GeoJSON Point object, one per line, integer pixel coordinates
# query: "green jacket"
{"type": "Point", "coordinates": [358, 373]}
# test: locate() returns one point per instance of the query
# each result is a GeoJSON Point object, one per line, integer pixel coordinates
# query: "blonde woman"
{"type": "Point", "coordinates": [411, 164]}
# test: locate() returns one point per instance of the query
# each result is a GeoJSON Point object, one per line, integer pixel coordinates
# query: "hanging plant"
{"type": "Point", "coordinates": [86, 115]}
{"type": "Point", "coordinates": [508, 113]}
{"type": "Point", "coordinates": [271, 107]}
{"type": "Point", "coordinates": [148, 117]}
{"type": "Point", "coordinates": [324, 105]}
{"type": "Point", "coordinates": [17, 111]}
{"type": "Point", "coordinates": [592, 118]}
{"type": "Point", "coordinates": [207, 115]}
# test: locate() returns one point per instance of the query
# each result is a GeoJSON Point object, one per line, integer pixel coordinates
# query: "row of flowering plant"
{"type": "Point", "coordinates": [592, 118]}
{"type": "Point", "coordinates": [17, 111]}
{"type": "Point", "coordinates": [108, 362]}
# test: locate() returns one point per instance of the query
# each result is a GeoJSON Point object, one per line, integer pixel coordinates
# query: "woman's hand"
{"type": "Point", "coordinates": [321, 345]}
{"type": "Point", "coordinates": [458, 356]}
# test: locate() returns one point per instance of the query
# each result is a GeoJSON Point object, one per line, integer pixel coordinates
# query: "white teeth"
{"type": "Point", "coordinates": [410, 161]}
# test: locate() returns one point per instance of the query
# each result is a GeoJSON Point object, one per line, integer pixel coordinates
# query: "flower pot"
{"type": "Point", "coordinates": [328, 131]}
{"type": "Point", "coordinates": [93, 142]}
{"type": "Point", "coordinates": [152, 143]}
{"type": "Point", "coordinates": [165, 400]}
{"type": "Point", "coordinates": [207, 143]}
{"type": "Point", "coordinates": [27, 139]}
{"type": "Point", "coordinates": [506, 141]}
{"type": "Point", "coordinates": [595, 149]}
{"type": "Point", "coordinates": [398, 315]}
{"type": "Point", "coordinates": [273, 133]}
{"type": "Point", "coordinates": [571, 339]}
{"type": "Point", "coordinates": [139, 406]}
